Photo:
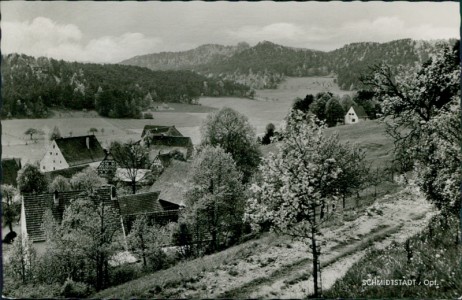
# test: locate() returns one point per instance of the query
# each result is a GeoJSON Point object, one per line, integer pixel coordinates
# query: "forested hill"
{"type": "Point", "coordinates": [265, 64]}
{"type": "Point", "coordinates": [185, 59]}
{"type": "Point", "coordinates": [31, 86]}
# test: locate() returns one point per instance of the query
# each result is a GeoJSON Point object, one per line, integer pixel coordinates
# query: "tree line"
{"type": "Point", "coordinates": [32, 86]}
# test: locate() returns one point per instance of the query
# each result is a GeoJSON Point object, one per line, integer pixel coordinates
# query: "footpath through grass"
{"type": "Point", "coordinates": [430, 263]}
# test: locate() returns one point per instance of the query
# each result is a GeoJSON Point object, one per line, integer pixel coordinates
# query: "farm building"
{"type": "Point", "coordinates": [170, 145]}
{"type": "Point", "coordinates": [108, 166]}
{"type": "Point", "coordinates": [173, 182]}
{"type": "Point", "coordinates": [355, 115]}
{"type": "Point", "coordinates": [160, 130]}
{"type": "Point", "coordinates": [70, 152]}
{"type": "Point", "coordinates": [33, 207]}
{"type": "Point", "coordinates": [157, 210]}
{"type": "Point", "coordinates": [10, 169]}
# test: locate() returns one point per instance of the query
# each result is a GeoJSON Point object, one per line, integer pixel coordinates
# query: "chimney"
{"type": "Point", "coordinates": [87, 140]}
{"type": "Point", "coordinates": [56, 198]}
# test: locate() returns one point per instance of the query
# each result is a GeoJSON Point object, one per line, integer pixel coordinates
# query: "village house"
{"type": "Point", "coordinates": [160, 130]}
{"type": "Point", "coordinates": [10, 169]}
{"type": "Point", "coordinates": [173, 182]}
{"type": "Point", "coordinates": [179, 147]}
{"type": "Point", "coordinates": [166, 140]}
{"type": "Point", "coordinates": [108, 166]}
{"type": "Point", "coordinates": [355, 115]}
{"type": "Point", "coordinates": [33, 207]}
{"type": "Point", "coordinates": [70, 152]}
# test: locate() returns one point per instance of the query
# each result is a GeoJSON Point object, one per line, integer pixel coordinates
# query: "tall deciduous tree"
{"type": "Point", "coordinates": [10, 208]}
{"type": "Point", "coordinates": [22, 259]}
{"type": "Point", "coordinates": [233, 133]}
{"type": "Point", "coordinates": [270, 128]}
{"type": "Point", "coordinates": [297, 183]}
{"type": "Point", "coordinates": [132, 157]}
{"type": "Point", "coordinates": [334, 112]}
{"type": "Point", "coordinates": [60, 184]}
{"type": "Point", "coordinates": [86, 180]}
{"type": "Point", "coordinates": [85, 240]}
{"type": "Point", "coordinates": [215, 203]}
{"type": "Point", "coordinates": [31, 180]}
{"type": "Point", "coordinates": [422, 107]}
{"type": "Point", "coordinates": [147, 241]}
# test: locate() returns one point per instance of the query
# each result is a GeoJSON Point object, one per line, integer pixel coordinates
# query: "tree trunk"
{"type": "Point", "coordinates": [343, 201]}
{"type": "Point", "coordinates": [10, 226]}
{"type": "Point", "coordinates": [134, 187]}
{"type": "Point", "coordinates": [315, 263]}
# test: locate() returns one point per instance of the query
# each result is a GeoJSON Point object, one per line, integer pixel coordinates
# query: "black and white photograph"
{"type": "Point", "coordinates": [238, 150]}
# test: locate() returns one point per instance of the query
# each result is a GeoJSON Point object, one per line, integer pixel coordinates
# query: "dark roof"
{"type": "Point", "coordinates": [9, 172]}
{"type": "Point", "coordinates": [173, 182]}
{"type": "Point", "coordinates": [76, 151]}
{"type": "Point", "coordinates": [35, 206]}
{"type": "Point", "coordinates": [161, 130]}
{"type": "Point", "coordinates": [171, 141]}
{"type": "Point", "coordinates": [144, 203]}
{"type": "Point", "coordinates": [359, 110]}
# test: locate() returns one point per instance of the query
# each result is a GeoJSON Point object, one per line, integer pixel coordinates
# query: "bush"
{"type": "Point", "coordinates": [124, 273]}
{"type": "Point", "coordinates": [148, 116]}
{"type": "Point", "coordinates": [72, 289]}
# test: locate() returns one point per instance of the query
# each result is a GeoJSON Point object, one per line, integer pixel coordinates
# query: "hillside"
{"type": "Point", "coordinates": [266, 64]}
{"type": "Point", "coordinates": [31, 86]}
{"type": "Point", "coordinates": [185, 59]}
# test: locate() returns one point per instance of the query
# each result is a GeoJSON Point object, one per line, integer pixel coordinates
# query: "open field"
{"type": "Point", "coordinates": [269, 106]}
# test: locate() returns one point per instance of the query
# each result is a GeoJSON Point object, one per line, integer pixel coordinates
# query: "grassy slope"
{"type": "Point", "coordinates": [433, 256]}
{"type": "Point", "coordinates": [369, 136]}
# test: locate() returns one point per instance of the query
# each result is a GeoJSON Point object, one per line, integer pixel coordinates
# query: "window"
{"type": "Point", "coordinates": [59, 161]}
{"type": "Point", "coordinates": [53, 146]}
{"type": "Point", "coordinates": [43, 167]}
{"type": "Point", "coordinates": [51, 153]}
{"type": "Point", "coordinates": [56, 153]}
{"type": "Point", "coordinates": [353, 120]}
{"type": "Point", "coordinates": [53, 161]}
{"type": "Point", "coordinates": [53, 168]}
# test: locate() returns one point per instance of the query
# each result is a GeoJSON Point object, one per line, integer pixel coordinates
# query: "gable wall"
{"type": "Point", "coordinates": [351, 117]}
{"type": "Point", "coordinates": [53, 159]}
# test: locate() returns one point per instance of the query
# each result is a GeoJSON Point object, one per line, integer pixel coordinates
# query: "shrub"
{"type": "Point", "coordinates": [148, 116]}
{"type": "Point", "coordinates": [124, 273]}
{"type": "Point", "coordinates": [72, 289]}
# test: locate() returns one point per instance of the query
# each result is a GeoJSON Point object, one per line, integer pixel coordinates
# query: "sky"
{"type": "Point", "coordinates": [109, 32]}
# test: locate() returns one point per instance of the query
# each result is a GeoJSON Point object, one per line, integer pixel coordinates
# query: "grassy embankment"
{"type": "Point", "coordinates": [432, 258]}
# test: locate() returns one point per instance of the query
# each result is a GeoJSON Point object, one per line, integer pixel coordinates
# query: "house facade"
{"type": "Point", "coordinates": [108, 166]}
{"type": "Point", "coordinates": [70, 152]}
{"type": "Point", "coordinates": [355, 115]}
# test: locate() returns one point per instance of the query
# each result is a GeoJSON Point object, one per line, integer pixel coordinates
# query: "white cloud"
{"type": "Point", "coordinates": [43, 37]}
